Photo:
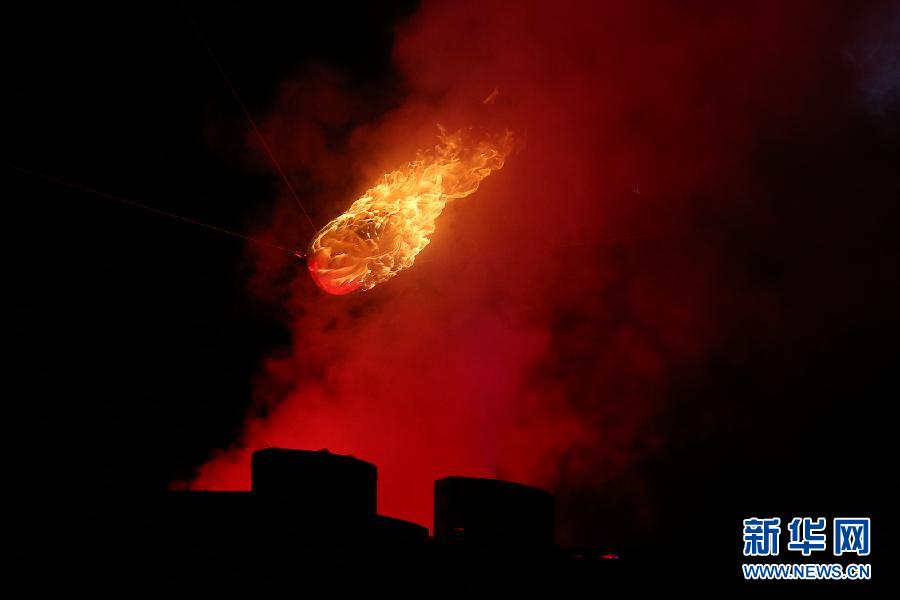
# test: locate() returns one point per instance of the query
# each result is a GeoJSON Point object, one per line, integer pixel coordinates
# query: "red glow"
{"type": "Point", "coordinates": [523, 345]}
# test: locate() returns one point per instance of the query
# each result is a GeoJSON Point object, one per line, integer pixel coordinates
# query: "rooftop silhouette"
{"type": "Point", "coordinates": [309, 526]}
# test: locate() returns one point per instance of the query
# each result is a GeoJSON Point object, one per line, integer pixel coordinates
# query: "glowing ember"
{"type": "Point", "coordinates": [383, 231]}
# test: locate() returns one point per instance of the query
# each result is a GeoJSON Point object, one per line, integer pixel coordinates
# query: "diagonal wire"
{"type": "Point", "coordinates": [146, 207]}
{"type": "Point", "coordinates": [250, 119]}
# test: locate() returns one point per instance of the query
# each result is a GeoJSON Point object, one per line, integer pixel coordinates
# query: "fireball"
{"type": "Point", "coordinates": [385, 229]}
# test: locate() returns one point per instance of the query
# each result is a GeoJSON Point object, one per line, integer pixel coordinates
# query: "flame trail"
{"type": "Point", "coordinates": [383, 231]}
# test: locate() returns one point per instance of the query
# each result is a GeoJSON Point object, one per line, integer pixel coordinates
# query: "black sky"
{"type": "Point", "coordinates": [138, 343]}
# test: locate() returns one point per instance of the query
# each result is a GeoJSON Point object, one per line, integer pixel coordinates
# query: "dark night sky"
{"type": "Point", "coordinates": [136, 345]}
{"type": "Point", "coordinates": [139, 344]}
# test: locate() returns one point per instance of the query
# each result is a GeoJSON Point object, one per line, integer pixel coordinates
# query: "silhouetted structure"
{"type": "Point", "coordinates": [299, 498]}
{"type": "Point", "coordinates": [317, 482]}
{"type": "Point", "coordinates": [491, 511]}
{"type": "Point", "coordinates": [309, 527]}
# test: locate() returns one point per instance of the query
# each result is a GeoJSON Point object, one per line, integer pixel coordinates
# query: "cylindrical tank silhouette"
{"type": "Point", "coordinates": [492, 511]}
{"type": "Point", "coordinates": [318, 482]}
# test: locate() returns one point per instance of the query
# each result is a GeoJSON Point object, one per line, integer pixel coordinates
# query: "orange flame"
{"type": "Point", "coordinates": [383, 231]}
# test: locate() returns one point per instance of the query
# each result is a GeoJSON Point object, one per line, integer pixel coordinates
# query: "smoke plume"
{"type": "Point", "coordinates": [539, 336]}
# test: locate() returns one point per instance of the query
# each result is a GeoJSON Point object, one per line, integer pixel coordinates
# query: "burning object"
{"type": "Point", "coordinates": [385, 229]}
